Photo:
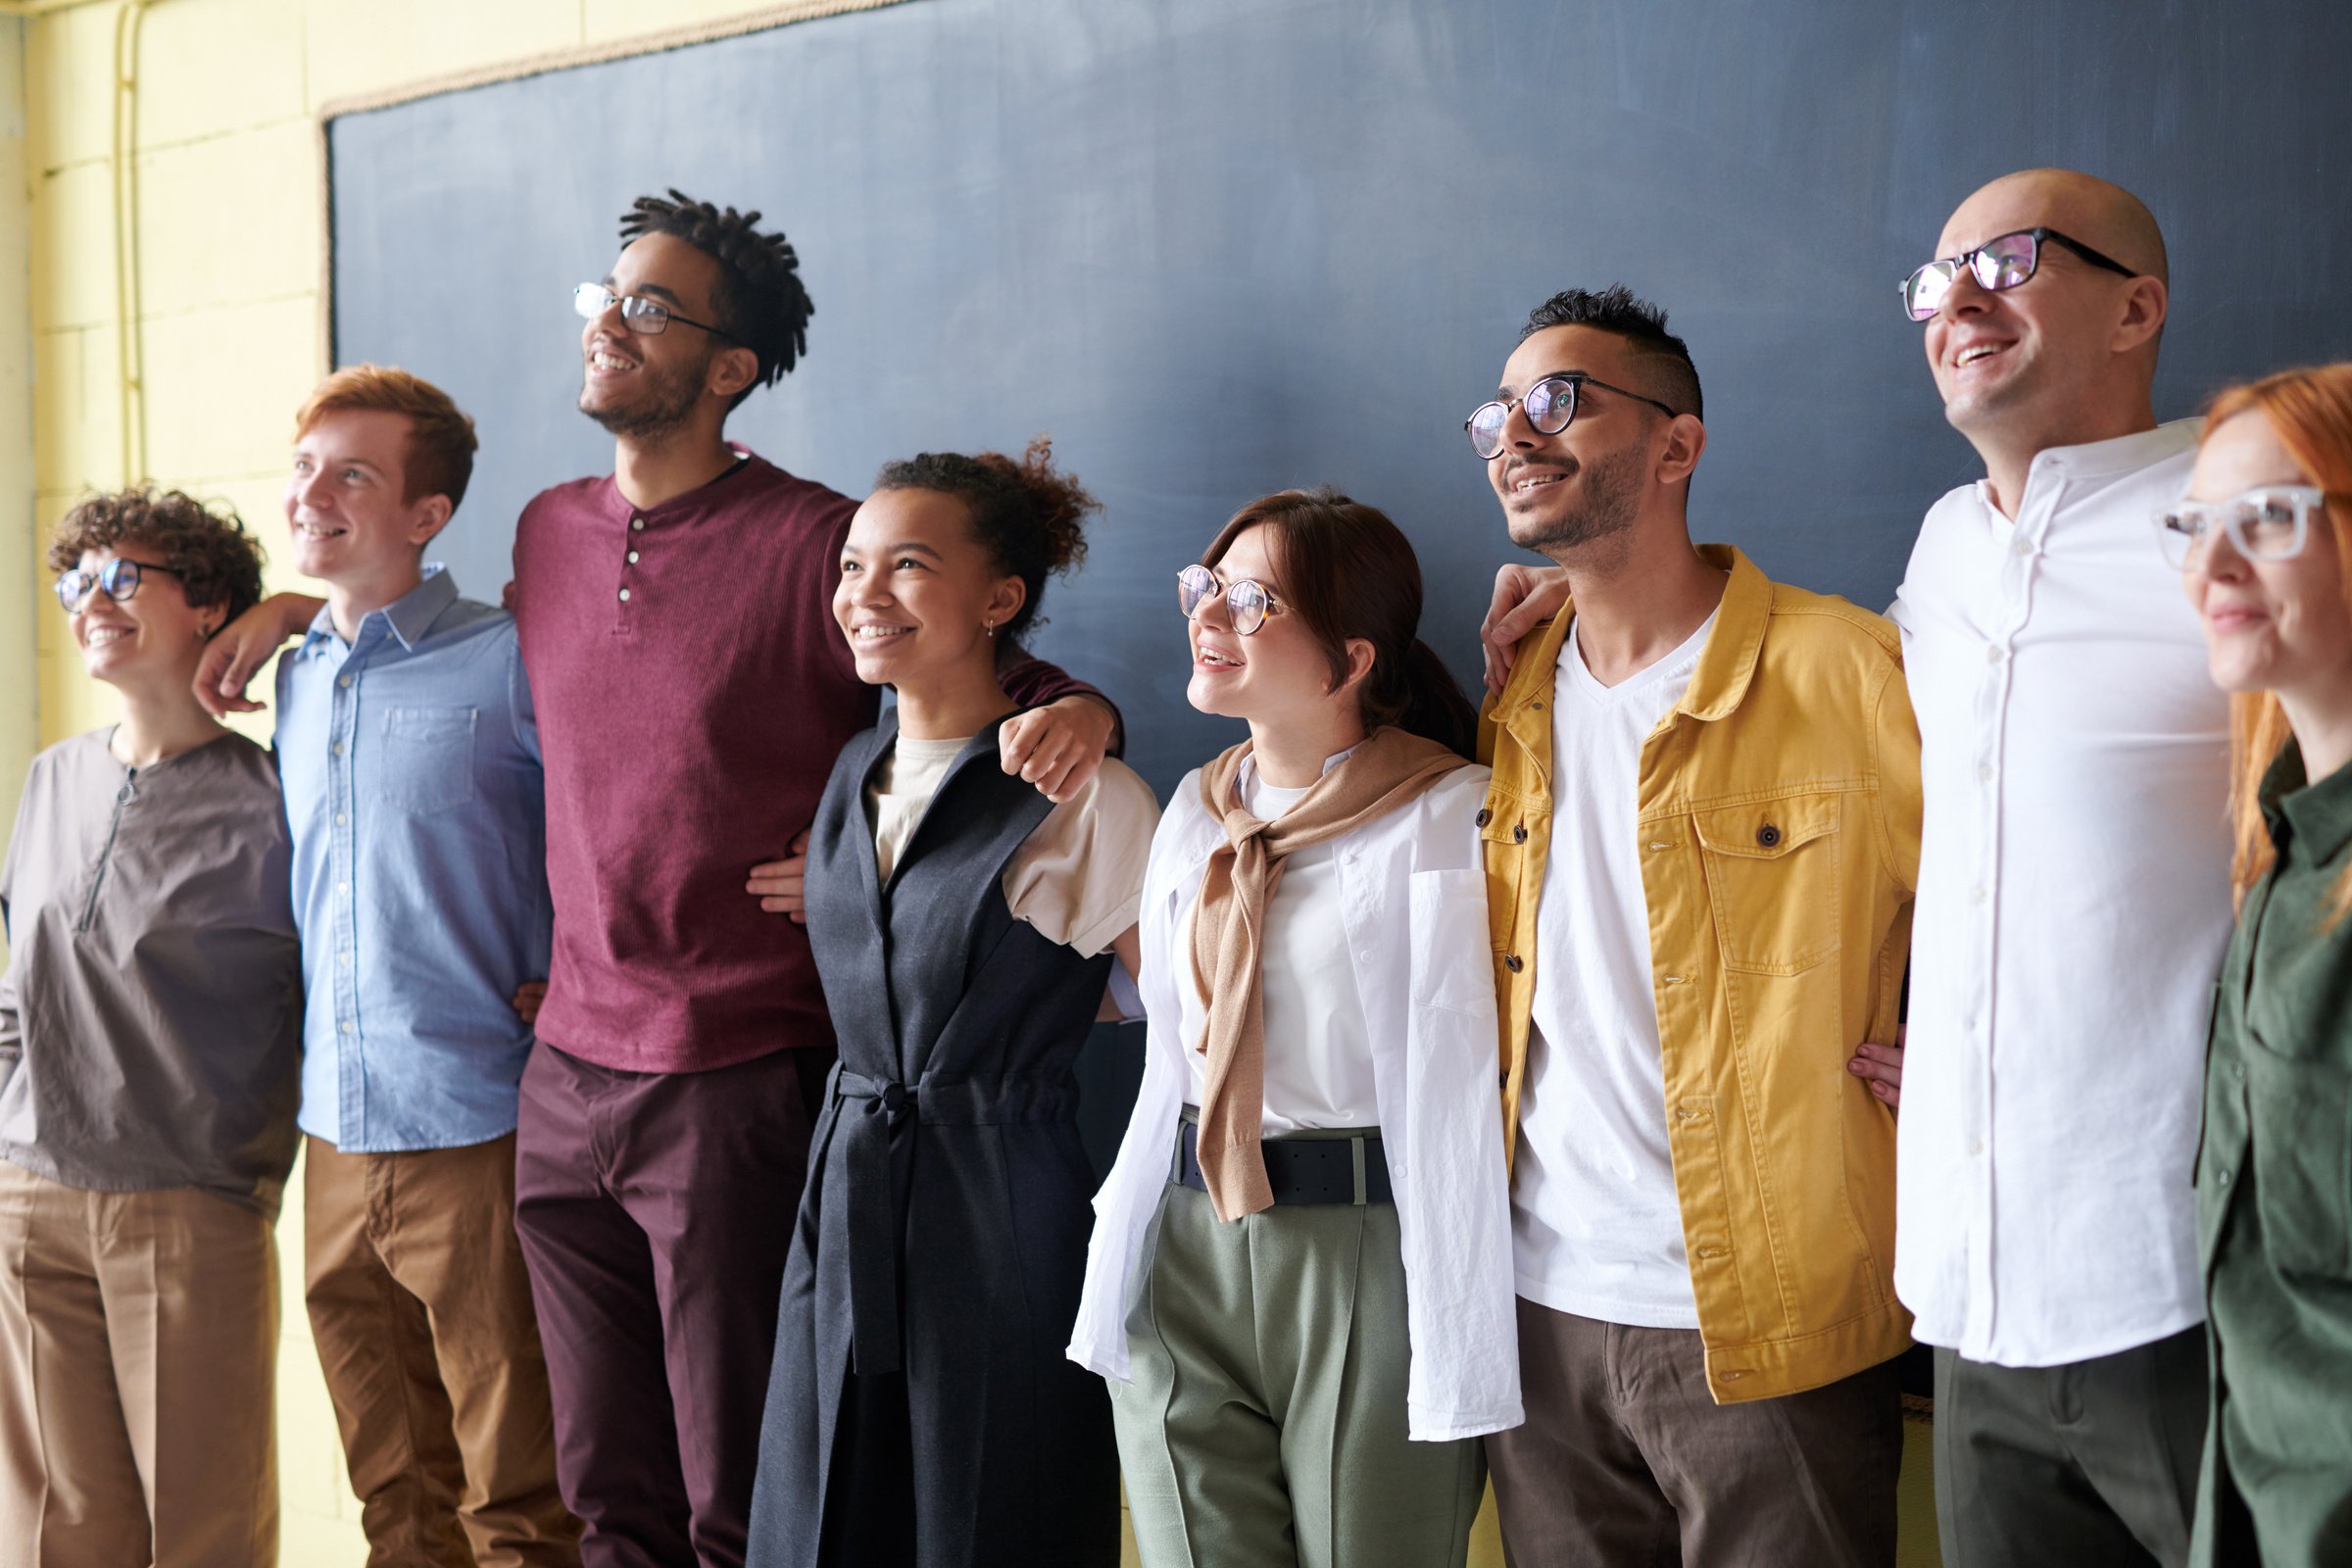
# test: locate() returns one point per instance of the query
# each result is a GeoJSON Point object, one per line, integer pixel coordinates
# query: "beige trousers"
{"type": "Point", "coordinates": [422, 1312]}
{"type": "Point", "coordinates": [138, 1344]}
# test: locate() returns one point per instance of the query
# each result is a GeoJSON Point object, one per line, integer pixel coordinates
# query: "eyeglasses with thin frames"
{"type": "Point", "coordinates": [118, 580]}
{"type": "Point", "coordinates": [1248, 601]}
{"type": "Point", "coordinates": [644, 315]}
{"type": "Point", "coordinates": [1549, 405]}
{"type": "Point", "coordinates": [2001, 263]}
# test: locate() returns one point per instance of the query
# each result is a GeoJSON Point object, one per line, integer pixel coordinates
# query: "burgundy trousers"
{"type": "Point", "coordinates": [654, 1211]}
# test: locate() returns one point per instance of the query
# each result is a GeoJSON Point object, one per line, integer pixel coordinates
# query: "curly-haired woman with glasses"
{"type": "Point", "coordinates": [2267, 564]}
{"type": "Point", "coordinates": [150, 1033]}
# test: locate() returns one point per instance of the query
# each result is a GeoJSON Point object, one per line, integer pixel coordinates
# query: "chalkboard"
{"type": "Point", "coordinates": [1221, 247]}
{"type": "Point", "coordinates": [1218, 247]}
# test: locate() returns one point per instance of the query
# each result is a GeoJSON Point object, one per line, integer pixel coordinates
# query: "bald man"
{"type": "Point", "coordinates": [2074, 897]}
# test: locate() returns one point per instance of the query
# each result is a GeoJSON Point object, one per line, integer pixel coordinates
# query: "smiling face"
{"type": "Point", "coordinates": [2019, 366]}
{"type": "Point", "coordinates": [2270, 625]}
{"type": "Point", "coordinates": [643, 386]}
{"type": "Point", "coordinates": [918, 592]}
{"type": "Point", "coordinates": [1561, 493]}
{"type": "Point", "coordinates": [345, 506]}
{"type": "Point", "coordinates": [1279, 677]}
{"type": "Point", "coordinates": [151, 640]}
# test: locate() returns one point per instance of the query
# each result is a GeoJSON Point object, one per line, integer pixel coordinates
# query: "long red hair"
{"type": "Point", "coordinates": [2311, 410]}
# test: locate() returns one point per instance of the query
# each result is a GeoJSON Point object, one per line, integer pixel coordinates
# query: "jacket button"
{"type": "Point", "coordinates": [1484, 816]}
{"type": "Point", "coordinates": [1768, 835]}
{"type": "Point", "coordinates": [1511, 961]}
{"type": "Point", "coordinates": [1519, 834]}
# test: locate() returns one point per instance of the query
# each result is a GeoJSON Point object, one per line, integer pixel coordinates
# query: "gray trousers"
{"type": "Point", "coordinates": [1264, 1424]}
{"type": "Point", "coordinates": [1627, 1461]}
{"type": "Point", "coordinates": [2094, 1462]}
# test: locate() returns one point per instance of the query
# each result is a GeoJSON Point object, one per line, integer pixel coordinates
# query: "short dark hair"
{"type": "Point", "coordinates": [1615, 310]}
{"type": "Point", "coordinates": [761, 301]}
{"type": "Point", "coordinates": [1027, 514]}
{"type": "Point", "coordinates": [216, 560]}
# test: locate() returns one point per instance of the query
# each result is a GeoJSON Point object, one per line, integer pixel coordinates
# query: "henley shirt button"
{"type": "Point", "coordinates": [624, 596]}
{"type": "Point", "coordinates": [1976, 1146]}
{"type": "Point", "coordinates": [1992, 655]}
{"type": "Point", "coordinates": [2022, 545]}
{"type": "Point", "coordinates": [632, 558]}
{"type": "Point", "coordinates": [2223, 1178]}
{"type": "Point", "coordinates": [1978, 894]}
{"type": "Point", "coordinates": [1484, 816]}
{"type": "Point", "coordinates": [1985, 772]}
{"type": "Point", "coordinates": [1768, 835]}
{"type": "Point", "coordinates": [1511, 961]}
{"type": "Point", "coordinates": [637, 526]}
{"type": "Point", "coordinates": [1519, 833]}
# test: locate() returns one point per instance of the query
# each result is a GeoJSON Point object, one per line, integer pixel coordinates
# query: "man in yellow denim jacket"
{"type": "Point", "coordinates": [1702, 839]}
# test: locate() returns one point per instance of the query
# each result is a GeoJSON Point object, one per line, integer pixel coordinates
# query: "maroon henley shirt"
{"type": "Point", "coordinates": [692, 692]}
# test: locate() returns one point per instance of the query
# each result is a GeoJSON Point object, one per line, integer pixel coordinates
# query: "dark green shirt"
{"type": "Point", "coordinates": [2275, 1199]}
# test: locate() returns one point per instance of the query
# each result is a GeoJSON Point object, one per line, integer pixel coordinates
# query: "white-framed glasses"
{"type": "Point", "coordinates": [2269, 523]}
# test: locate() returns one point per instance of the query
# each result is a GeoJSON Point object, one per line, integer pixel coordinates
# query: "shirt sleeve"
{"type": "Point", "coordinates": [1032, 683]}
{"type": "Point", "coordinates": [518, 701]}
{"type": "Point", "coordinates": [1079, 879]}
{"type": "Point", "coordinates": [1895, 742]}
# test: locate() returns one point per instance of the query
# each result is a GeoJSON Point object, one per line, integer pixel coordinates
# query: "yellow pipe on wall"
{"type": "Point", "coordinates": [130, 336]}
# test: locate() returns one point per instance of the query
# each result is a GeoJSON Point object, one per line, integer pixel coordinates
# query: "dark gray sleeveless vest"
{"type": "Point", "coordinates": [942, 1239]}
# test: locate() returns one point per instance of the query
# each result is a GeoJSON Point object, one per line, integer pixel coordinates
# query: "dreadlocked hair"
{"type": "Point", "coordinates": [761, 301]}
{"type": "Point", "coordinates": [1026, 514]}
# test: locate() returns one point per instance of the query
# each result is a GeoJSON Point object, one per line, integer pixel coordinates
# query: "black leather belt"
{"type": "Point", "coordinates": [1306, 1171]}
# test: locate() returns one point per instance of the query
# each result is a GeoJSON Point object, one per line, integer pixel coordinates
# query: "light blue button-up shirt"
{"type": "Point", "coordinates": [410, 763]}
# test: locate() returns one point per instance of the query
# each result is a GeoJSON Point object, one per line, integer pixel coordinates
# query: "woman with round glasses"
{"type": "Point", "coordinates": [2269, 567]}
{"type": "Point", "coordinates": [150, 1035]}
{"type": "Point", "coordinates": [1300, 1284]}
{"type": "Point", "coordinates": [920, 1412]}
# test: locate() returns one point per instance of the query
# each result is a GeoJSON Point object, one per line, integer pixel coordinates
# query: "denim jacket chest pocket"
{"type": "Point", "coordinates": [1773, 877]}
{"type": "Point", "coordinates": [424, 763]}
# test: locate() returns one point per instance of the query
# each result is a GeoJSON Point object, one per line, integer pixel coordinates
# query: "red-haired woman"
{"type": "Point", "coordinates": [2262, 540]}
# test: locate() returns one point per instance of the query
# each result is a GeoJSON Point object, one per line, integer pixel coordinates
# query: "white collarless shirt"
{"type": "Point", "coordinates": [1597, 1223]}
{"type": "Point", "coordinates": [1318, 1059]}
{"type": "Point", "coordinates": [2073, 907]}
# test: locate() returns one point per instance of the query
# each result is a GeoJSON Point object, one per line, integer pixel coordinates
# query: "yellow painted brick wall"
{"type": "Point", "coordinates": [230, 246]}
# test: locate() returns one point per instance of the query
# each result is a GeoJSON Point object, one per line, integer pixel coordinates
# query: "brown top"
{"type": "Point", "coordinates": [151, 1012]}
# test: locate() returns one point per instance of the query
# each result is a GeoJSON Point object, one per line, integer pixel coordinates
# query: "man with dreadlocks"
{"type": "Point", "coordinates": [692, 691]}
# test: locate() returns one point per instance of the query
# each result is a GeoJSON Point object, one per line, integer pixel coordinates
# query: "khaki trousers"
{"type": "Point", "coordinates": [1264, 1426]}
{"type": "Point", "coordinates": [138, 1344]}
{"type": "Point", "coordinates": [422, 1312]}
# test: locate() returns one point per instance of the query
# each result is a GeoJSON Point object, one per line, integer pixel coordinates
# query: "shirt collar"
{"type": "Point", "coordinates": [2316, 817]}
{"type": "Point", "coordinates": [408, 618]}
{"type": "Point", "coordinates": [2118, 455]}
{"type": "Point", "coordinates": [1247, 776]}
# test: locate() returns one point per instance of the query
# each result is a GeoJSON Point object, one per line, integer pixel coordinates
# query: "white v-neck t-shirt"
{"type": "Point", "coordinates": [1596, 1228]}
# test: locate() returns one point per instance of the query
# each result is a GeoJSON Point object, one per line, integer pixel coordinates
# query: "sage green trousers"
{"type": "Point", "coordinates": [1264, 1424]}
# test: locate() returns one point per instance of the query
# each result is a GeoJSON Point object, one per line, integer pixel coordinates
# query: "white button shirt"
{"type": "Point", "coordinates": [2074, 904]}
{"type": "Point", "coordinates": [1413, 903]}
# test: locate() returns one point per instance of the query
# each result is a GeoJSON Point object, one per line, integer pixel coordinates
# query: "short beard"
{"type": "Point", "coordinates": [1608, 508]}
{"type": "Point", "coordinates": [663, 410]}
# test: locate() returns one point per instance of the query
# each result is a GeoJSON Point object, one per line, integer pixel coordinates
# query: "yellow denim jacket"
{"type": "Point", "coordinates": [1779, 821]}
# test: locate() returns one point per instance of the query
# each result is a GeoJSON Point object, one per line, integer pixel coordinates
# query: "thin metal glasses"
{"type": "Point", "coordinates": [1248, 601]}
{"type": "Point", "coordinates": [1551, 404]}
{"type": "Point", "coordinates": [643, 316]}
{"type": "Point", "coordinates": [2002, 262]}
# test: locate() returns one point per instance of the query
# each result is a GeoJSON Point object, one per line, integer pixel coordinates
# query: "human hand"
{"type": "Point", "coordinates": [244, 645]}
{"type": "Point", "coordinates": [781, 886]}
{"type": "Point", "coordinates": [529, 998]}
{"type": "Point", "coordinates": [1880, 1067]}
{"type": "Point", "coordinates": [1059, 747]}
{"type": "Point", "coordinates": [1523, 596]}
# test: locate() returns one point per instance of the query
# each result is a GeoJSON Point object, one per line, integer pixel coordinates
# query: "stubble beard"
{"type": "Point", "coordinates": [666, 403]}
{"type": "Point", "coordinates": [1608, 509]}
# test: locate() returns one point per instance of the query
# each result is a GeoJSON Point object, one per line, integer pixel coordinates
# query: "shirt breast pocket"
{"type": "Point", "coordinates": [1771, 870]}
{"type": "Point", "coordinates": [426, 761]}
{"type": "Point", "coordinates": [2301, 1115]}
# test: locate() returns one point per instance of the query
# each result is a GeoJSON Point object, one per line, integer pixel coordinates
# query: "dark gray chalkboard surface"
{"type": "Point", "coordinates": [1218, 247]}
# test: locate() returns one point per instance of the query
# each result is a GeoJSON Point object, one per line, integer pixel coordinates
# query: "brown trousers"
{"type": "Point", "coordinates": [138, 1353]}
{"type": "Point", "coordinates": [1627, 1461]}
{"type": "Point", "coordinates": [422, 1312]}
